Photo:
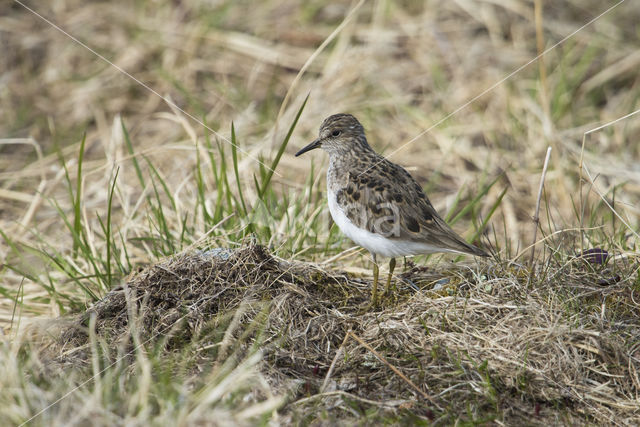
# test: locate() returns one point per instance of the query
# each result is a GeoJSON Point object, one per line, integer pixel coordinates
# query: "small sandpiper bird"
{"type": "Point", "coordinates": [377, 203]}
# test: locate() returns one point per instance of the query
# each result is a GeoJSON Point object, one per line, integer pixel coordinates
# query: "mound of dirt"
{"type": "Point", "coordinates": [468, 333]}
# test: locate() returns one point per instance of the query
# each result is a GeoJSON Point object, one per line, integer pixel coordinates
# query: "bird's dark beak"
{"type": "Point", "coordinates": [315, 144]}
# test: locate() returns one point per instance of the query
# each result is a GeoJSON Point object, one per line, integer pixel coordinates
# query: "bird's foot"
{"type": "Point", "coordinates": [368, 307]}
{"type": "Point", "coordinates": [390, 297]}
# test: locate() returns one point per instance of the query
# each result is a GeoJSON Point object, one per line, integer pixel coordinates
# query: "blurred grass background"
{"type": "Point", "coordinates": [99, 175]}
{"type": "Point", "coordinates": [401, 67]}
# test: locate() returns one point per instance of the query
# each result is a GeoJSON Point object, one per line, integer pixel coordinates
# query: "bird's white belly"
{"type": "Point", "coordinates": [376, 243]}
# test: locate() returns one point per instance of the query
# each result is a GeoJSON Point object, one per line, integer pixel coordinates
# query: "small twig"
{"type": "Point", "coordinates": [536, 217]}
{"type": "Point", "coordinates": [393, 368]}
{"type": "Point", "coordinates": [333, 362]}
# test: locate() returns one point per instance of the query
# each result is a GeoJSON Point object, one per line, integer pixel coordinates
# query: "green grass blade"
{"type": "Point", "coordinates": [108, 230]}
{"type": "Point", "coordinates": [134, 159]}
{"type": "Point", "coordinates": [474, 201]}
{"type": "Point", "coordinates": [234, 154]}
{"type": "Point", "coordinates": [72, 198]}
{"type": "Point", "coordinates": [77, 218]}
{"type": "Point", "coordinates": [454, 205]}
{"type": "Point", "coordinates": [283, 146]}
{"type": "Point", "coordinates": [493, 209]}
{"type": "Point", "coordinates": [219, 206]}
{"type": "Point", "coordinates": [200, 186]}
{"type": "Point", "coordinates": [163, 183]}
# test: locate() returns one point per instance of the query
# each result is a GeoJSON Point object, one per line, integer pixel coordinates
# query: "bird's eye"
{"type": "Point", "coordinates": [336, 133]}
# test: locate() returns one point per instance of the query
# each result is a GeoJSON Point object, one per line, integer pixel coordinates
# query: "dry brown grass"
{"type": "Point", "coordinates": [485, 339]}
{"type": "Point", "coordinates": [557, 345]}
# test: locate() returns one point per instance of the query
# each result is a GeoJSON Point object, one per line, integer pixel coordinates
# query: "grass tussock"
{"type": "Point", "coordinates": [118, 304]}
{"type": "Point", "coordinates": [475, 343]}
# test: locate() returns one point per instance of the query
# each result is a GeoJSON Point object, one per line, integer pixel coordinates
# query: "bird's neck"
{"type": "Point", "coordinates": [351, 162]}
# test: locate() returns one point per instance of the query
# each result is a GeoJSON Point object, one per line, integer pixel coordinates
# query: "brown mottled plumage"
{"type": "Point", "coordinates": [377, 203]}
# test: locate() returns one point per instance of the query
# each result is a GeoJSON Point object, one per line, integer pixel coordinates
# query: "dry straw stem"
{"type": "Point", "coordinates": [536, 215]}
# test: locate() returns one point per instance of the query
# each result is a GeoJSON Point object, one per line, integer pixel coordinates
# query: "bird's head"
{"type": "Point", "coordinates": [338, 134]}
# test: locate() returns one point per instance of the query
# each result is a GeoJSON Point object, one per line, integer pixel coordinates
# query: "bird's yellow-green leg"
{"type": "Point", "coordinates": [392, 266]}
{"type": "Point", "coordinates": [374, 288]}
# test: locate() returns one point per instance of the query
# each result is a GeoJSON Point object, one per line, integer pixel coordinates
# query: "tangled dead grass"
{"type": "Point", "coordinates": [489, 341]}
{"type": "Point", "coordinates": [485, 336]}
